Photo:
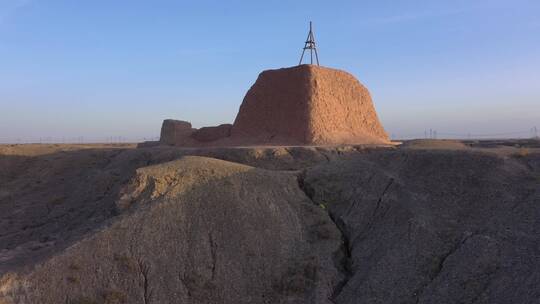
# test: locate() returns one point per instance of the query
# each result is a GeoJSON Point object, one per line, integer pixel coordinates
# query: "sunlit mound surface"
{"type": "Point", "coordinates": [301, 105]}
{"type": "Point", "coordinates": [308, 104]}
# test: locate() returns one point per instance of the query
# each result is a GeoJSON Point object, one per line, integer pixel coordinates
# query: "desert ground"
{"type": "Point", "coordinates": [428, 221]}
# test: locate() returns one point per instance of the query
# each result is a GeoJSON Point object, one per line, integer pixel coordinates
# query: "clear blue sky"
{"type": "Point", "coordinates": [118, 68]}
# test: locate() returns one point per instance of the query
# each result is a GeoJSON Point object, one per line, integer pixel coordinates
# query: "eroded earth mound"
{"type": "Point", "coordinates": [114, 224]}
{"type": "Point", "coordinates": [308, 104]}
{"type": "Point", "coordinates": [301, 105]}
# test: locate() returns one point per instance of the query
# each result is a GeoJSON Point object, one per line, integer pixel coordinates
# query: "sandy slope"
{"type": "Point", "coordinates": [109, 224]}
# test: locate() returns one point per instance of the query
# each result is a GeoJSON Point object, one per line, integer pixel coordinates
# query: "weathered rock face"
{"type": "Point", "coordinates": [307, 104]}
{"type": "Point", "coordinates": [175, 132]}
{"type": "Point", "coordinates": [207, 134]}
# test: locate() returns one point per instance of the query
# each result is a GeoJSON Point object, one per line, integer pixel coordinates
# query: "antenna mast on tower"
{"type": "Point", "coordinates": [310, 45]}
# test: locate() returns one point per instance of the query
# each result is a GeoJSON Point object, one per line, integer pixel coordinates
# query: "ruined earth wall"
{"type": "Point", "coordinates": [274, 109]}
{"type": "Point", "coordinates": [340, 109]}
{"type": "Point", "coordinates": [308, 104]}
{"type": "Point", "coordinates": [301, 105]}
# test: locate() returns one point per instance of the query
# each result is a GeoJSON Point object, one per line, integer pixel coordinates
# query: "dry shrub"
{"type": "Point", "coordinates": [125, 262]}
{"type": "Point", "coordinates": [523, 152]}
{"type": "Point", "coordinates": [74, 266]}
{"type": "Point", "coordinates": [73, 280]}
{"type": "Point", "coordinates": [83, 300]}
{"type": "Point", "coordinates": [114, 297]}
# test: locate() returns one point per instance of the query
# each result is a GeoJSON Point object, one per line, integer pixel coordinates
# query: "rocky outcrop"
{"type": "Point", "coordinates": [308, 104]}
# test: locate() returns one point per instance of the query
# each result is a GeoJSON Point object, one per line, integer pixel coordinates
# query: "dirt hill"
{"type": "Point", "coordinates": [268, 225]}
{"type": "Point", "coordinates": [308, 104]}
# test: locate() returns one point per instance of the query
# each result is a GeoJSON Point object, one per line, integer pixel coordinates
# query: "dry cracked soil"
{"type": "Point", "coordinates": [426, 222]}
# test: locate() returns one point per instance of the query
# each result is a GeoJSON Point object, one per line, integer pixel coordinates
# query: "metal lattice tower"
{"type": "Point", "coordinates": [310, 45]}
